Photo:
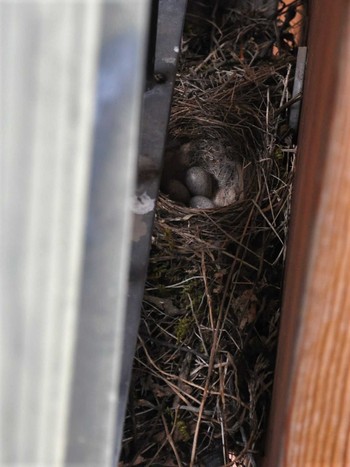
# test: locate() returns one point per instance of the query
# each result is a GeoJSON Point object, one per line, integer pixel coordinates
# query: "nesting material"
{"type": "Point", "coordinates": [203, 370]}
{"type": "Point", "coordinates": [207, 168]}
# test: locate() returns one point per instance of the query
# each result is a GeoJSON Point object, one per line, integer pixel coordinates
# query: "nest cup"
{"type": "Point", "coordinates": [212, 137]}
{"type": "Point", "coordinates": [226, 150]}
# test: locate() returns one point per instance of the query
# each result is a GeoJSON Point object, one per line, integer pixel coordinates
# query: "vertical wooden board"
{"type": "Point", "coordinates": [310, 416]}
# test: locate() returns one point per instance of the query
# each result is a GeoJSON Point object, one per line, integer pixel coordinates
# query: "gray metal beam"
{"type": "Point", "coordinates": [156, 105]}
{"type": "Point", "coordinates": [68, 157]}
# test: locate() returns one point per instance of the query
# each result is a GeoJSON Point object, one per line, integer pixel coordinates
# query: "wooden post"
{"type": "Point", "coordinates": [310, 417]}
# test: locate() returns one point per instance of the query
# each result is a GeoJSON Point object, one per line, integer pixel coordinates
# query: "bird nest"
{"type": "Point", "coordinates": [203, 369]}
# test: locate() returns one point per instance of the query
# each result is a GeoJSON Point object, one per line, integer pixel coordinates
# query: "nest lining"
{"type": "Point", "coordinates": [203, 369]}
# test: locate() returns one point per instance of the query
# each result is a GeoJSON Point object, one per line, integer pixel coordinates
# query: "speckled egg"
{"type": "Point", "coordinates": [199, 182]}
{"type": "Point", "coordinates": [201, 202]}
{"type": "Point", "coordinates": [177, 191]}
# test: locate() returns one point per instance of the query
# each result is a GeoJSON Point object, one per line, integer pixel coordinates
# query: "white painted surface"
{"type": "Point", "coordinates": [49, 73]}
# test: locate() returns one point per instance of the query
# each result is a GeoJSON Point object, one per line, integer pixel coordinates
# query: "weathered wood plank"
{"type": "Point", "coordinates": [310, 417]}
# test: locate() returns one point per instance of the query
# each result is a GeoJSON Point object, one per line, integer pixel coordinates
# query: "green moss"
{"type": "Point", "coordinates": [182, 430]}
{"type": "Point", "coordinates": [278, 153]}
{"type": "Point", "coordinates": [183, 328]}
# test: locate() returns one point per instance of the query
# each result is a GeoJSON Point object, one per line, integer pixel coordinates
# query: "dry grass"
{"type": "Point", "coordinates": [203, 370]}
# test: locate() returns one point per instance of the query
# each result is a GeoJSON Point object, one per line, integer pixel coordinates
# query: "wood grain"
{"type": "Point", "coordinates": [310, 416]}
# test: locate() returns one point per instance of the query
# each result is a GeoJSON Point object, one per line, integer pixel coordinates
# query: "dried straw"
{"type": "Point", "coordinates": [203, 370]}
